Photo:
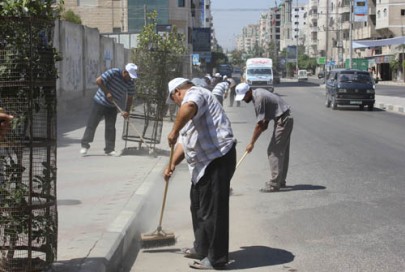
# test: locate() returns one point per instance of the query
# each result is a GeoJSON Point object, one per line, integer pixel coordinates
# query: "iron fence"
{"type": "Point", "coordinates": [28, 210]}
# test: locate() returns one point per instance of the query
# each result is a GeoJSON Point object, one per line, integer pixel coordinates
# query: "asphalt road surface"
{"type": "Point", "coordinates": [343, 209]}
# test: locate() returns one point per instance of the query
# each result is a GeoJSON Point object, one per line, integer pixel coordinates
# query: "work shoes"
{"type": "Point", "coordinates": [83, 151]}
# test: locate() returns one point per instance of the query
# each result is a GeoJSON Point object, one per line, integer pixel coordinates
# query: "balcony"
{"type": "Point", "coordinates": [313, 3]}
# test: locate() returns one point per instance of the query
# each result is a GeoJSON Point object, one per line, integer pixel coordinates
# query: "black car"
{"type": "Point", "coordinates": [350, 87]}
{"type": "Point", "coordinates": [321, 74]}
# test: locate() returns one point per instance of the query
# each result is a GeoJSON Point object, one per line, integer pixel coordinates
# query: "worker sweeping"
{"type": "Point", "coordinates": [202, 135]}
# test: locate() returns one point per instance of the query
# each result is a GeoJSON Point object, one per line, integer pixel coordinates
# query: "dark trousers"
{"type": "Point", "coordinates": [97, 113]}
{"type": "Point", "coordinates": [210, 209]}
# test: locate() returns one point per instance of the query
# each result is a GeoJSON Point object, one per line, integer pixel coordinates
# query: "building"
{"type": "Point", "coordinates": [129, 16]}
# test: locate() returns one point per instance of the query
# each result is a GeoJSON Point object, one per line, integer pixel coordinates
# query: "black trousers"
{"type": "Point", "coordinates": [98, 112]}
{"type": "Point", "coordinates": [210, 209]}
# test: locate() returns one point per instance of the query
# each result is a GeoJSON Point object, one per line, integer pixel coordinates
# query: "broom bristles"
{"type": "Point", "coordinates": [157, 239]}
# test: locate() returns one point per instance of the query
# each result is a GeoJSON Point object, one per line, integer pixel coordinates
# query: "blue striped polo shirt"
{"type": "Point", "coordinates": [118, 86]}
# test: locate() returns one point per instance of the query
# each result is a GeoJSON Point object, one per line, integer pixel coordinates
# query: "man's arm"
{"type": "Point", "coordinates": [259, 128]}
{"type": "Point", "coordinates": [128, 107]}
{"type": "Point", "coordinates": [186, 112]}
{"type": "Point", "coordinates": [102, 86]}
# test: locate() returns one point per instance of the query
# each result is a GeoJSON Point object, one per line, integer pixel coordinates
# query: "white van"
{"type": "Point", "coordinates": [302, 75]}
{"type": "Point", "coordinates": [259, 73]}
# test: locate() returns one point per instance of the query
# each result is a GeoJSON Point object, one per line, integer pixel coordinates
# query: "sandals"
{"type": "Point", "coordinates": [270, 189]}
{"type": "Point", "coordinates": [191, 253]}
{"type": "Point", "coordinates": [205, 264]}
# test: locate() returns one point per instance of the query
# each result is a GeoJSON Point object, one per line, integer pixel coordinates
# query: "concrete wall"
{"type": "Point", "coordinates": [85, 55]}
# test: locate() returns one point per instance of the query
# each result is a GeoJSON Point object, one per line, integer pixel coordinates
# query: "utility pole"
{"type": "Point", "coordinates": [351, 35]}
{"type": "Point", "coordinates": [296, 53]}
{"type": "Point", "coordinates": [327, 35]}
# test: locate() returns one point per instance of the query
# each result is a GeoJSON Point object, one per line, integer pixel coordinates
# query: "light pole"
{"type": "Point", "coordinates": [351, 35]}
{"type": "Point", "coordinates": [296, 36]}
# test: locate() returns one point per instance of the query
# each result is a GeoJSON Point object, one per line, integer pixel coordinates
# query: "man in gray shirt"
{"type": "Point", "coordinates": [269, 106]}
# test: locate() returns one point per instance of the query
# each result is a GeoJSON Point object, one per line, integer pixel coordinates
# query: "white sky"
{"type": "Point", "coordinates": [230, 16]}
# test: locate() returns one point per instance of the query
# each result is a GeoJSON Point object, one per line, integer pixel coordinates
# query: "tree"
{"type": "Point", "coordinates": [237, 58]}
{"type": "Point", "coordinates": [72, 17]}
{"type": "Point", "coordinates": [160, 57]}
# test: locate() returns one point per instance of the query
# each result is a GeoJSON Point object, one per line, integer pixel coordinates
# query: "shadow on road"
{"type": "Point", "coordinates": [258, 256]}
{"type": "Point", "coordinates": [302, 187]}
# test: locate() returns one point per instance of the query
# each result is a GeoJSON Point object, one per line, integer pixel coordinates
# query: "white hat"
{"type": "Point", "coordinates": [131, 69]}
{"type": "Point", "coordinates": [173, 84]}
{"type": "Point", "coordinates": [241, 89]}
{"type": "Point", "coordinates": [217, 75]}
{"type": "Point", "coordinates": [224, 77]}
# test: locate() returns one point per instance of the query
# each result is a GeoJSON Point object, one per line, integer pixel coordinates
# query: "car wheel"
{"type": "Point", "coordinates": [334, 104]}
{"type": "Point", "coordinates": [327, 103]}
{"type": "Point", "coordinates": [370, 107]}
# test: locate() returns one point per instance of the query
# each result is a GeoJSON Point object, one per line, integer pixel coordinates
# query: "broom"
{"type": "Point", "coordinates": [159, 237]}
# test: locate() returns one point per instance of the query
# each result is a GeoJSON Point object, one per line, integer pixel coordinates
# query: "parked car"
{"type": "Point", "coordinates": [321, 74]}
{"type": "Point", "coordinates": [302, 75]}
{"type": "Point", "coordinates": [350, 87]}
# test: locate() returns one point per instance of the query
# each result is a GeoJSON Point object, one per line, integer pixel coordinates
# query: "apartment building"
{"type": "Point", "coordinates": [129, 16]}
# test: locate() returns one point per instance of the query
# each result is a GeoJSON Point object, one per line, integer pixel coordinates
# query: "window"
{"type": "Point", "coordinates": [181, 3]}
{"type": "Point", "coordinates": [378, 14]}
{"type": "Point", "coordinates": [402, 12]}
{"type": "Point", "coordinates": [385, 12]}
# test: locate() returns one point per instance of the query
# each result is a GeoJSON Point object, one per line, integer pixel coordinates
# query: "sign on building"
{"type": "Point", "coordinates": [360, 10]}
{"type": "Point", "coordinates": [201, 39]}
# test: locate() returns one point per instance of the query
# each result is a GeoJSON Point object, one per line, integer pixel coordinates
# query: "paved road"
{"type": "Point", "coordinates": [342, 210]}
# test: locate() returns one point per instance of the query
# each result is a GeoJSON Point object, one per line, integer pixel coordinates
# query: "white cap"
{"type": "Point", "coordinates": [217, 75]}
{"type": "Point", "coordinates": [173, 84]}
{"type": "Point", "coordinates": [241, 89]}
{"type": "Point", "coordinates": [131, 69]}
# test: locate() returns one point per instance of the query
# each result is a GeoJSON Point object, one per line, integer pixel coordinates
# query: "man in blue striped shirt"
{"type": "Point", "coordinates": [203, 136]}
{"type": "Point", "coordinates": [114, 85]}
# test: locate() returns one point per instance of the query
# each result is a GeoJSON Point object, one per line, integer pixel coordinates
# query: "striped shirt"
{"type": "Point", "coordinates": [221, 88]}
{"type": "Point", "coordinates": [118, 86]}
{"type": "Point", "coordinates": [208, 135]}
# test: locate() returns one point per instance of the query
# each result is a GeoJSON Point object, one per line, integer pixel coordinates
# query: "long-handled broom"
{"type": "Point", "coordinates": [159, 237]}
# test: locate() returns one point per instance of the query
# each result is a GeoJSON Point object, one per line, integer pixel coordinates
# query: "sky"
{"type": "Point", "coordinates": [230, 16]}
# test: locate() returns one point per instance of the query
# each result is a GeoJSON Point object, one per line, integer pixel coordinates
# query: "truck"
{"type": "Point", "coordinates": [259, 73]}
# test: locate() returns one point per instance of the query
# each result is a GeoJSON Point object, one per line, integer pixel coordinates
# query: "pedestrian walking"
{"type": "Point", "coordinates": [202, 135]}
{"type": "Point", "coordinates": [114, 85]}
{"type": "Point", "coordinates": [269, 106]}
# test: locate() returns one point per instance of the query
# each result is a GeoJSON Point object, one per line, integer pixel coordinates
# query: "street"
{"type": "Point", "coordinates": [342, 209]}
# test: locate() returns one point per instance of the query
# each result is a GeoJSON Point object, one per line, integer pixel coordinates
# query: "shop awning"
{"type": "Point", "coordinates": [377, 43]}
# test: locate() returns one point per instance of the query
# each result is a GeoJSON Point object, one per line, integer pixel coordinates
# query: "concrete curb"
{"type": "Point", "coordinates": [122, 233]}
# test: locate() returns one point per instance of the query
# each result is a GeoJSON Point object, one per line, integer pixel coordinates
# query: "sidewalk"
{"type": "Point", "coordinates": [101, 198]}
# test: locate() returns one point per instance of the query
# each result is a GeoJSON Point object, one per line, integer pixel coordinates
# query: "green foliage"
{"type": "Point", "coordinates": [25, 8]}
{"type": "Point", "coordinates": [72, 17]}
{"type": "Point", "coordinates": [237, 58]}
{"type": "Point", "coordinates": [27, 65]}
{"type": "Point", "coordinates": [160, 59]}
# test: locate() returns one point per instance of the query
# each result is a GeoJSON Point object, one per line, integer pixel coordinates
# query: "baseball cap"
{"type": "Point", "coordinates": [131, 69]}
{"type": "Point", "coordinates": [241, 89]}
{"type": "Point", "coordinates": [173, 84]}
{"type": "Point", "coordinates": [217, 75]}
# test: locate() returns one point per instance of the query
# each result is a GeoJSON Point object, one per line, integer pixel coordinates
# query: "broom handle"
{"type": "Point", "coordinates": [166, 187]}
{"type": "Point", "coordinates": [241, 159]}
{"type": "Point", "coordinates": [132, 125]}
